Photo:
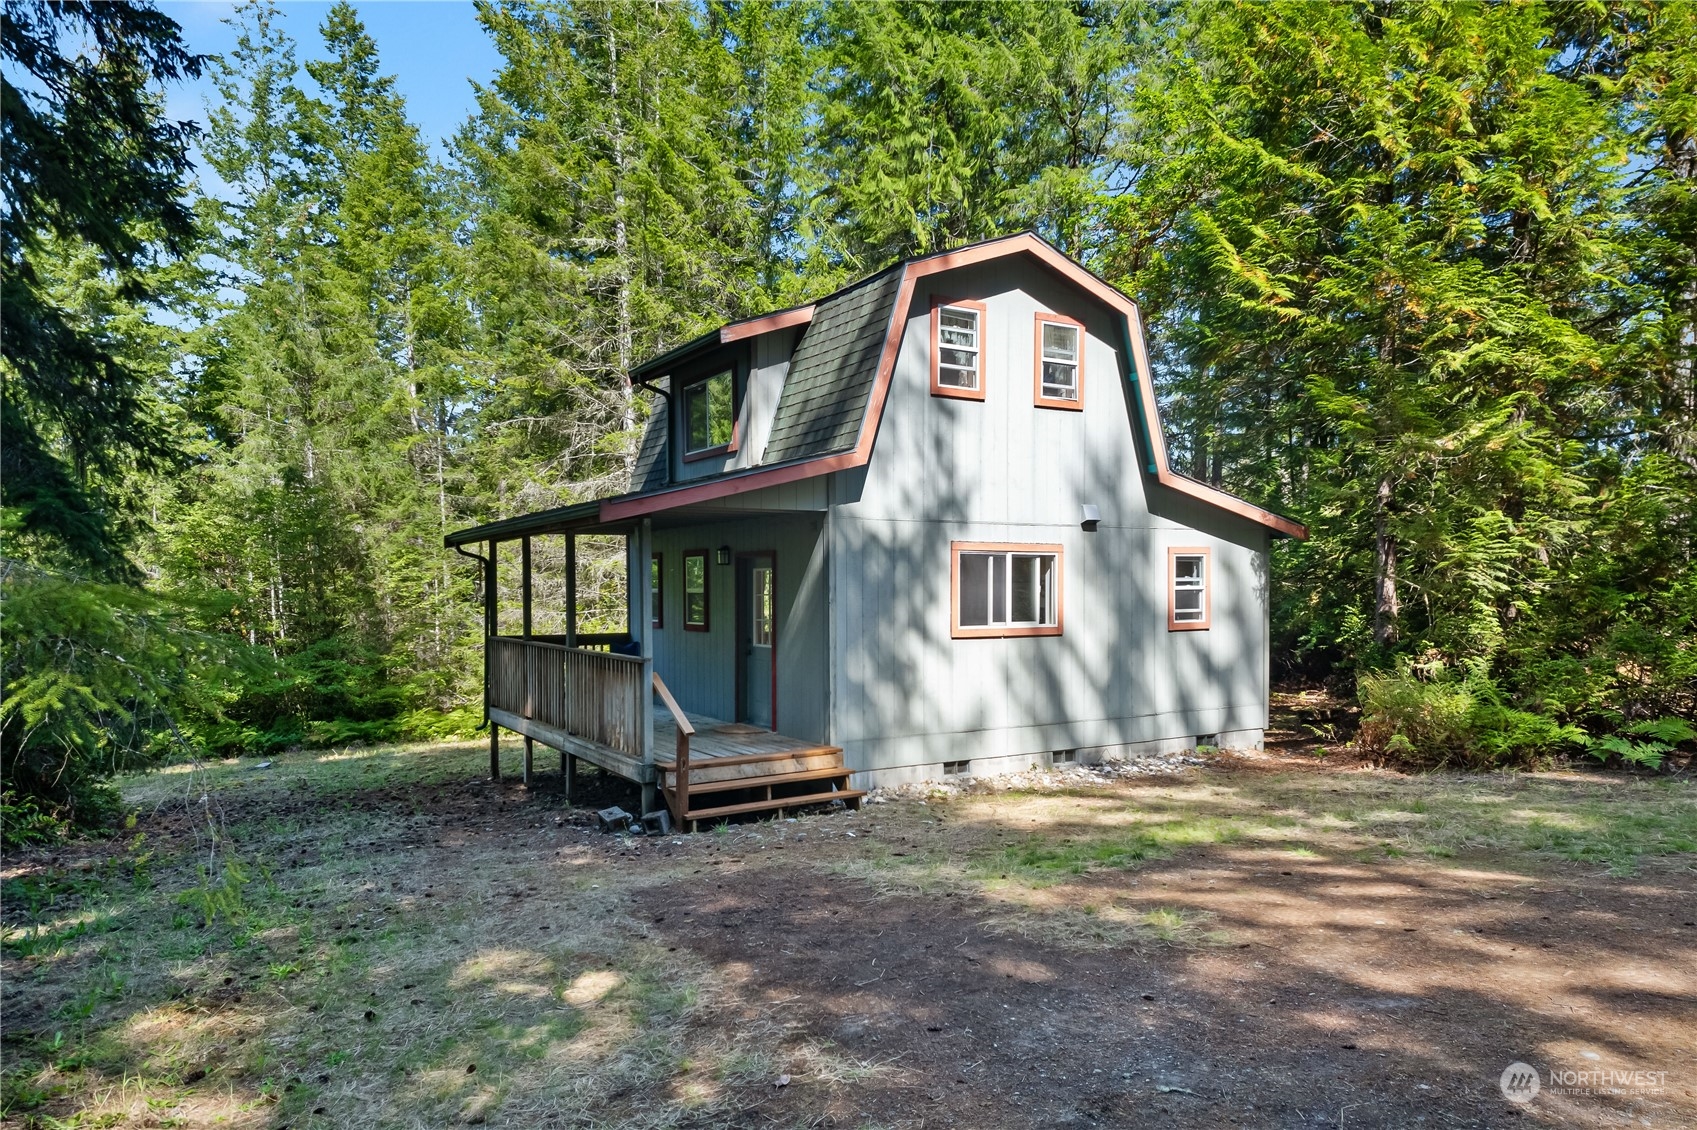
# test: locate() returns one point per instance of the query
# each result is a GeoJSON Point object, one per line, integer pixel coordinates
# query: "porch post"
{"type": "Point", "coordinates": [571, 590]}
{"type": "Point", "coordinates": [524, 573]}
{"type": "Point", "coordinates": [640, 610]}
{"type": "Point", "coordinates": [491, 625]}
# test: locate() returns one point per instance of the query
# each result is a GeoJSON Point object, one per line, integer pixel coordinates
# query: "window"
{"type": "Point", "coordinates": [1187, 589]}
{"type": "Point", "coordinates": [1060, 362]}
{"type": "Point", "coordinates": [1005, 590]}
{"type": "Point", "coordinates": [760, 631]}
{"type": "Point", "coordinates": [695, 590]}
{"type": "Point", "coordinates": [657, 589]}
{"type": "Point", "coordinates": [957, 348]}
{"type": "Point", "coordinates": [709, 417]}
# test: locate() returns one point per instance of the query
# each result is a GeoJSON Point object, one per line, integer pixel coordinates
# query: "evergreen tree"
{"type": "Point", "coordinates": [91, 162]}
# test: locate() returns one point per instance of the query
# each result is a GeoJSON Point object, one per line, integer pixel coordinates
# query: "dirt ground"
{"type": "Point", "coordinates": [1273, 942]}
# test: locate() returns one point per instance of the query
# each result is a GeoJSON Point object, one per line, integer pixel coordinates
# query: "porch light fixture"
{"type": "Point", "coordinates": [1092, 516]}
{"type": "Point", "coordinates": [723, 555]}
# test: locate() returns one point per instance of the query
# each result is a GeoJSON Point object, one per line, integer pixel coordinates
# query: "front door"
{"type": "Point", "coordinates": [757, 640]}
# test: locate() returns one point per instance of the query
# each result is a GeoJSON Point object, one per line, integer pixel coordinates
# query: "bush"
{"type": "Point", "coordinates": [1436, 717]}
{"type": "Point", "coordinates": [98, 679]}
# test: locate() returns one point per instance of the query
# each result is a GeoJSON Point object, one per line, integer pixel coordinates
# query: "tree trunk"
{"type": "Point", "coordinates": [621, 252]}
{"type": "Point", "coordinates": [1386, 607]}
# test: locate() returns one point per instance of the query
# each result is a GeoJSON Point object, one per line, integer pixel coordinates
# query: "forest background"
{"type": "Point", "coordinates": [1422, 275]}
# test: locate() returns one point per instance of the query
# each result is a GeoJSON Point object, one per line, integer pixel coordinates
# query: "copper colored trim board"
{"type": "Point", "coordinates": [1041, 319]}
{"type": "Point", "coordinates": [616, 509]}
{"type": "Point", "coordinates": [1207, 556]}
{"type": "Point", "coordinates": [754, 327]}
{"type": "Point", "coordinates": [991, 631]}
{"type": "Point", "coordinates": [937, 388]}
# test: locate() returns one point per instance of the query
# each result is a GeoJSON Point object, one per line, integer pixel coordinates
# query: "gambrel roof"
{"type": "Point", "coordinates": [839, 374]}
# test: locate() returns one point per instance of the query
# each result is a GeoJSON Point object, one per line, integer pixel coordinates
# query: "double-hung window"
{"type": "Point", "coordinates": [695, 590]}
{"type": "Point", "coordinates": [1188, 581]}
{"type": "Point", "coordinates": [657, 589]}
{"type": "Point", "coordinates": [710, 414]}
{"type": "Point", "coordinates": [957, 348]}
{"type": "Point", "coordinates": [1060, 362]}
{"type": "Point", "coordinates": [1002, 589]}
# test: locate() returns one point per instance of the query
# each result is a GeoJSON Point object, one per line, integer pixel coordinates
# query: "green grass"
{"type": "Point", "coordinates": [157, 984]}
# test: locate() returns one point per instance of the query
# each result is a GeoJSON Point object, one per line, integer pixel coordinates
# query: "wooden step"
{"type": "Point", "coordinates": [775, 805]}
{"type": "Point", "coordinates": [765, 780]}
{"type": "Point", "coordinates": [754, 768]}
{"type": "Point", "coordinates": [701, 761]}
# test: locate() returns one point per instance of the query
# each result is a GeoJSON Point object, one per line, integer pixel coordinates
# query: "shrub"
{"type": "Point", "coordinates": [98, 679]}
{"type": "Point", "coordinates": [1436, 717]}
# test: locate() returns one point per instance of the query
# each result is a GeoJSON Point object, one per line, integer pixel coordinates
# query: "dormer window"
{"type": "Point", "coordinates": [709, 414]}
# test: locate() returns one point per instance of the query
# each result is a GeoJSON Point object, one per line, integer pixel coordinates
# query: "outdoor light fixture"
{"type": "Point", "coordinates": [1092, 516]}
{"type": "Point", "coordinates": [724, 555]}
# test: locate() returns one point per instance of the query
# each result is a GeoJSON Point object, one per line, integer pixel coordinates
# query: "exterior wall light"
{"type": "Point", "coordinates": [723, 555]}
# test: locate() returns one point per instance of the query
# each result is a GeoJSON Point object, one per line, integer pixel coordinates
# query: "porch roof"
{"type": "Point", "coordinates": [579, 518]}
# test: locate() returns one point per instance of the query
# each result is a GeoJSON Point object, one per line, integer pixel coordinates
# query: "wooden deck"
{"type": "Point", "coordinates": [601, 707]}
{"type": "Point", "coordinates": [715, 737]}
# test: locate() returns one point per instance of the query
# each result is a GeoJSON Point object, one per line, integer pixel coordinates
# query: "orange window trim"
{"type": "Point", "coordinates": [994, 632]}
{"type": "Point", "coordinates": [1207, 555]}
{"type": "Point", "coordinates": [937, 388]}
{"type": "Point", "coordinates": [1042, 319]}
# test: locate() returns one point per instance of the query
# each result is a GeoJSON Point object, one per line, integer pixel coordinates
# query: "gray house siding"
{"type": "Point", "coordinates": [700, 667]}
{"type": "Point", "coordinates": [905, 695]}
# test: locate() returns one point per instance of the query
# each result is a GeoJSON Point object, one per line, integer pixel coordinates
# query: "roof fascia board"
{"type": "Point", "coordinates": [724, 335]}
{"type": "Point", "coordinates": [754, 327]}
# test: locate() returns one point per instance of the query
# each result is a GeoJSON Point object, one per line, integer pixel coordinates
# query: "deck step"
{"type": "Point", "coordinates": [774, 805]}
{"type": "Point", "coordinates": [696, 787]}
{"type": "Point", "coordinates": [705, 769]}
{"type": "Point", "coordinates": [702, 761]}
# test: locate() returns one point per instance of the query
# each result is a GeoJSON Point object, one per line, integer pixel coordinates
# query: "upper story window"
{"type": "Point", "coordinates": [957, 348]}
{"type": "Point", "coordinates": [1188, 583]}
{"type": "Point", "coordinates": [1003, 589]}
{"type": "Point", "coordinates": [1060, 362]}
{"type": "Point", "coordinates": [709, 414]}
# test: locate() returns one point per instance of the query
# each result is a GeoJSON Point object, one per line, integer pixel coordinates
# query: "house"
{"type": "Point", "coordinates": [925, 525]}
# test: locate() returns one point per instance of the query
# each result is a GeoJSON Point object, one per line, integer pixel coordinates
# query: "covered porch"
{"type": "Point", "coordinates": [602, 696]}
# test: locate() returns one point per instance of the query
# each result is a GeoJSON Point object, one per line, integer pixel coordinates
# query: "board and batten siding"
{"type": "Point", "coordinates": [700, 667]}
{"type": "Point", "coordinates": [905, 696]}
{"type": "Point", "coordinates": [761, 365]}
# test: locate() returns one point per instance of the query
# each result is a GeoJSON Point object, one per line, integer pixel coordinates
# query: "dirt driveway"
{"type": "Point", "coordinates": [1265, 945]}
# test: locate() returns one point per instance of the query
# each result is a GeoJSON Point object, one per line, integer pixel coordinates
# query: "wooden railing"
{"type": "Point", "coordinates": [594, 695]}
{"type": "Point", "coordinates": [680, 779]}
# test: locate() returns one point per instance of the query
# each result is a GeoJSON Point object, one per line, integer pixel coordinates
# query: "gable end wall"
{"type": "Point", "coordinates": [905, 696]}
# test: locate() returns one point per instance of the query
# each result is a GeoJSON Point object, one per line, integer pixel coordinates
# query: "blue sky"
{"type": "Point", "coordinates": [434, 48]}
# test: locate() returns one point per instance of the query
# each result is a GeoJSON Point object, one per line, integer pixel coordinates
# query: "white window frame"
{"type": "Point", "coordinates": [980, 316]}
{"type": "Point", "coordinates": [1051, 618]}
{"type": "Point", "coordinates": [1189, 620]}
{"type": "Point", "coordinates": [1047, 395]}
